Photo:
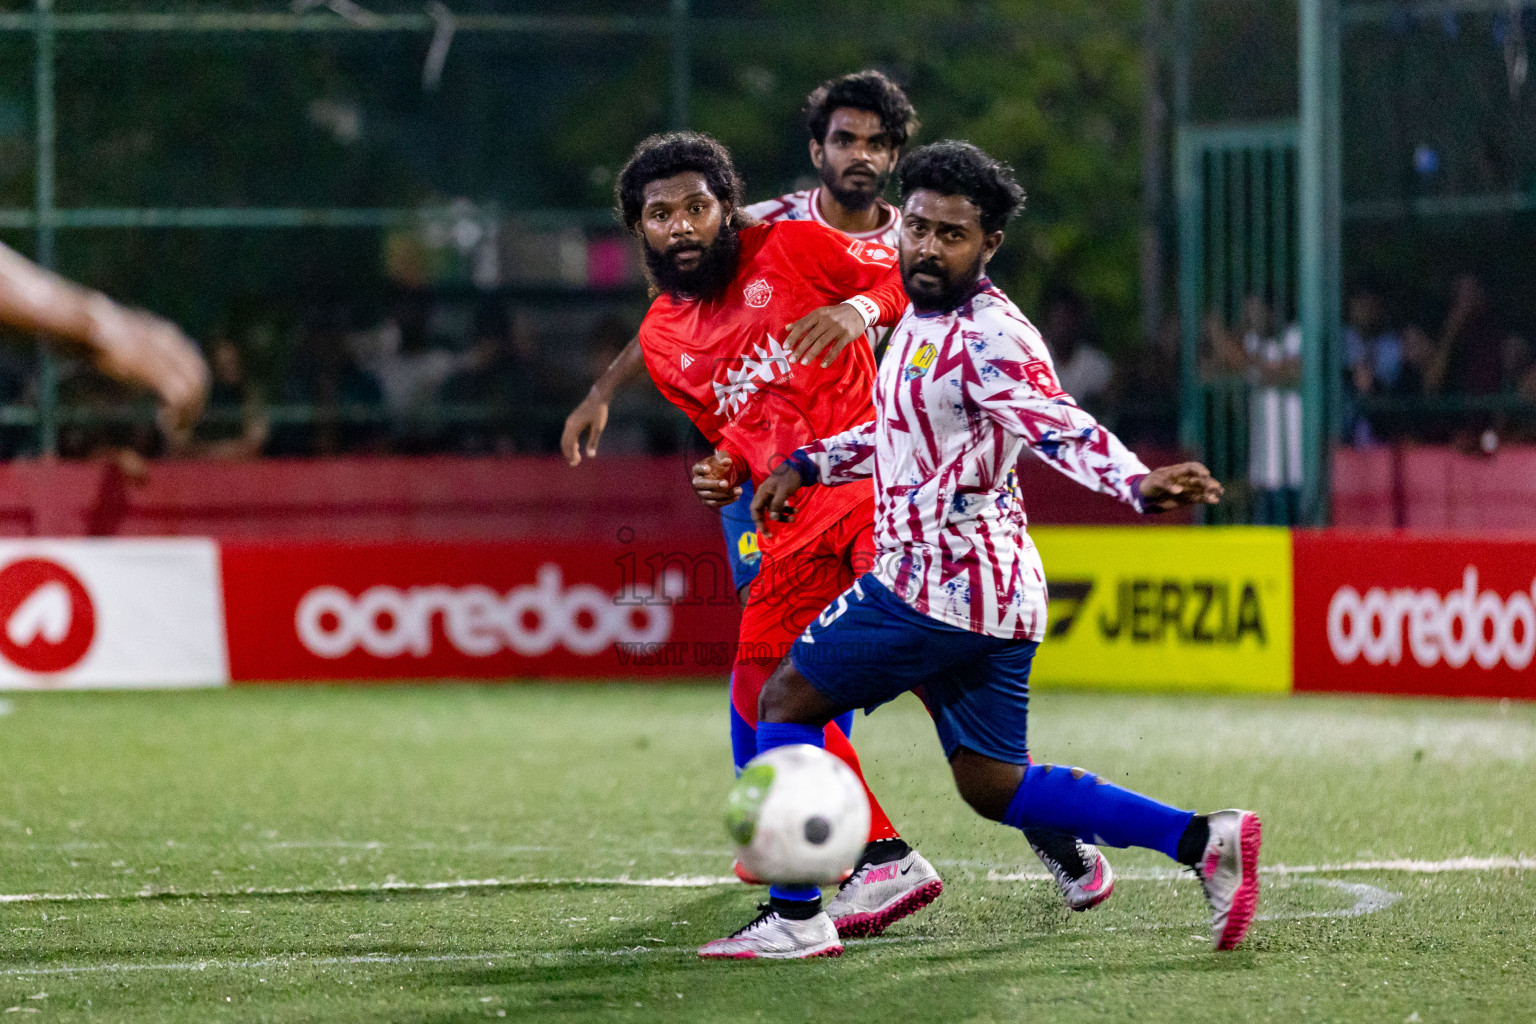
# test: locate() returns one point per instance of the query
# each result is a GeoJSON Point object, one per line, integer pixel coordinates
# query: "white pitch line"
{"type": "Point", "coordinates": [1368, 900]}
{"type": "Point", "coordinates": [674, 882]}
{"type": "Point", "coordinates": [1418, 867]}
{"type": "Point", "coordinates": [490, 959]}
{"type": "Point", "coordinates": [1456, 864]}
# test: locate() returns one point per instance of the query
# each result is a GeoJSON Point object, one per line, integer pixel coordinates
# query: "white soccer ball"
{"type": "Point", "coordinates": [799, 816]}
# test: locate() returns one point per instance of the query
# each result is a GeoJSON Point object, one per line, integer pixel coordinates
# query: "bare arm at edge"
{"type": "Point", "coordinates": [133, 346]}
{"type": "Point", "coordinates": [591, 416]}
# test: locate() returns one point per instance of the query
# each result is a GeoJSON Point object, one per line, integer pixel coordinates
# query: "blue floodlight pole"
{"type": "Point", "coordinates": [1318, 291]}
{"type": "Point", "coordinates": [43, 82]}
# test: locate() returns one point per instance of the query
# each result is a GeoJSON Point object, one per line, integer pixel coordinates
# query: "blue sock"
{"type": "Point", "coordinates": [783, 734]}
{"type": "Point", "coordinates": [743, 740]}
{"type": "Point", "coordinates": [744, 737]}
{"type": "Point", "coordinates": [1081, 804]}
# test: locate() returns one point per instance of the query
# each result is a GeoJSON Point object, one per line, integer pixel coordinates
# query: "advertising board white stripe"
{"type": "Point", "coordinates": [111, 613]}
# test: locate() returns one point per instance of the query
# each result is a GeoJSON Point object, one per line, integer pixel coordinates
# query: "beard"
{"type": "Point", "coordinates": [715, 269]}
{"type": "Point", "coordinates": [856, 198]}
{"type": "Point", "coordinates": [947, 293]}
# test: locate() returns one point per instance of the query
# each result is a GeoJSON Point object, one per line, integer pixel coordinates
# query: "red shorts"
{"type": "Point", "coordinates": [790, 592]}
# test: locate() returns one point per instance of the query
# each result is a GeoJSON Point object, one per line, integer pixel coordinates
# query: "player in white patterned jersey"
{"type": "Point", "coordinates": [965, 390]}
{"type": "Point", "coordinates": [956, 608]}
{"type": "Point", "coordinates": [808, 204]}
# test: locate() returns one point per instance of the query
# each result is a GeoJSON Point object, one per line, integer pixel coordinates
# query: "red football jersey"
{"type": "Point", "coordinates": [723, 362]}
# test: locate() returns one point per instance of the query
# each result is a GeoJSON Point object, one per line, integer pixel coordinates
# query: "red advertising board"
{"type": "Point", "coordinates": [1384, 612]}
{"type": "Point", "coordinates": [476, 610]}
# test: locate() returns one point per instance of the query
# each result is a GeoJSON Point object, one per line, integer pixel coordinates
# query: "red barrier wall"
{"type": "Point", "coordinates": [439, 498]}
{"type": "Point", "coordinates": [1435, 488]}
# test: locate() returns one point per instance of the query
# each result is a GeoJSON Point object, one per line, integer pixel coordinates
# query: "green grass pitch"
{"type": "Point", "coordinates": [445, 854]}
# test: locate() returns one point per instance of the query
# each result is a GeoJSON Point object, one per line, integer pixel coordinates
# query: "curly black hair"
{"type": "Point", "coordinates": [662, 156]}
{"type": "Point", "coordinates": [862, 90]}
{"type": "Point", "coordinates": [954, 168]}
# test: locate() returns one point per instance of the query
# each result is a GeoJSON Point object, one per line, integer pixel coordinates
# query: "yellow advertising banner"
{"type": "Point", "coordinates": [1199, 608]}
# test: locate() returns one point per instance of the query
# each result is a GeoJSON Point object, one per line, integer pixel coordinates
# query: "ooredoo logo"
{"type": "Point", "coordinates": [531, 620]}
{"type": "Point", "coordinates": [47, 621]}
{"type": "Point", "coordinates": [1468, 624]}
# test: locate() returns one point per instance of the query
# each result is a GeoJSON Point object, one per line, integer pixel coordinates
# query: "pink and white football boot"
{"type": "Point", "coordinates": [876, 896]}
{"type": "Point", "coordinates": [1229, 874]}
{"type": "Point", "coordinates": [1081, 870]}
{"type": "Point", "coordinates": [772, 936]}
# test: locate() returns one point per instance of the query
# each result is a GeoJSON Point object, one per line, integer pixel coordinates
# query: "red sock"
{"type": "Point", "coordinates": [880, 826]}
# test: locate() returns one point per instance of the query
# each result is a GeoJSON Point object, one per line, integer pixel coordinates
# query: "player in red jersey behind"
{"type": "Point", "coordinates": [736, 303]}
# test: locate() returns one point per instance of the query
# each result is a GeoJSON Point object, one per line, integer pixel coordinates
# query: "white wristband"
{"type": "Point", "coordinates": [866, 308]}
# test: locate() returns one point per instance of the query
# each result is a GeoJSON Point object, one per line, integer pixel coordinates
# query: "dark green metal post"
{"type": "Point", "coordinates": [682, 64]}
{"type": "Point", "coordinates": [43, 83]}
{"type": "Point", "coordinates": [1319, 244]}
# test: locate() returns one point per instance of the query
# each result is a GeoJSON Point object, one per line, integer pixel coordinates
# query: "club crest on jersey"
{"type": "Point", "coordinates": [920, 361]}
{"type": "Point", "coordinates": [758, 293]}
{"type": "Point", "coordinates": [1039, 374]}
{"type": "Point", "coordinates": [872, 252]}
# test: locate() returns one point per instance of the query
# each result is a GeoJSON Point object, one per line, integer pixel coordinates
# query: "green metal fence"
{"type": "Point", "coordinates": [1386, 114]}
{"type": "Point", "coordinates": [44, 27]}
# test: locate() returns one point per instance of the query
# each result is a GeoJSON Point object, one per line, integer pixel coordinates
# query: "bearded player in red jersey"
{"type": "Point", "coordinates": [736, 303]}
{"type": "Point", "coordinates": [858, 124]}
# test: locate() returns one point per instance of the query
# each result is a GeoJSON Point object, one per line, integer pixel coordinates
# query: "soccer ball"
{"type": "Point", "coordinates": [799, 816]}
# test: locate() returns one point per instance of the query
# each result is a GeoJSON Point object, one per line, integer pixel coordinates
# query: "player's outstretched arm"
{"type": "Point", "coordinates": [591, 416]}
{"type": "Point", "coordinates": [1187, 483]}
{"type": "Point", "coordinates": [132, 346]}
{"type": "Point", "coordinates": [770, 500]}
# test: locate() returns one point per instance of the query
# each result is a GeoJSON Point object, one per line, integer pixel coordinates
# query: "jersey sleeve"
{"type": "Point", "coordinates": [840, 459]}
{"type": "Point", "coordinates": [842, 267]}
{"type": "Point", "coordinates": [1019, 391]}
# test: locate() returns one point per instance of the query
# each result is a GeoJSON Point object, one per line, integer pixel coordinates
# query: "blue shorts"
{"type": "Point", "coordinates": [741, 538]}
{"type": "Point", "coordinates": [869, 646]}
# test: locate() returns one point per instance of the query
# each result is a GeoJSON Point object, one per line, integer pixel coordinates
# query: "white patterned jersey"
{"type": "Point", "coordinates": [957, 397]}
{"type": "Point", "coordinates": [803, 205]}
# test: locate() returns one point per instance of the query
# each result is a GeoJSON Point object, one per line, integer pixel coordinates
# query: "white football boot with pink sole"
{"type": "Point", "coordinates": [1081, 870]}
{"type": "Point", "coordinates": [772, 936]}
{"type": "Point", "coordinates": [1229, 874]}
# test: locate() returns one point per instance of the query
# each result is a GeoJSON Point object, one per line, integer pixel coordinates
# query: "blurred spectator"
{"type": "Point", "coordinates": [407, 361]}
{"type": "Point", "coordinates": [234, 423]}
{"type": "Point", "coordinates": [100, 424]}
{"type": "Point", "coordinates": [1377, 363]}
{"type": "Point", "coordinates": [1144, 394]}
{"type": "Point", "coordinates": [344, 397]}
{"type": "Point", "coordinates": [1271, 362]}
{"type": "Point", "coordinates": [501, 379]}
{"type": "Point", "coordinates": [16, 366]}
{"type": "Point", "coordinates": [1081, 366]}
{"type": "Point", "coordinates": [1467, 356]}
